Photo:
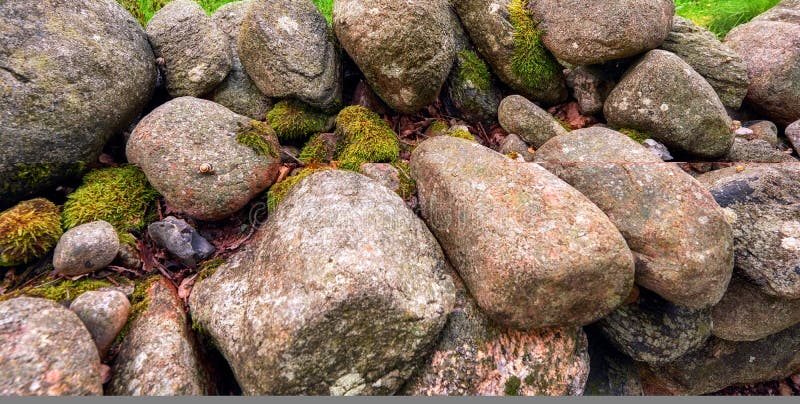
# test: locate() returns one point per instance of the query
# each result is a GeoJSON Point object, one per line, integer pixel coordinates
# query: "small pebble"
{"type": "Point", "coordinates": [86, 248]}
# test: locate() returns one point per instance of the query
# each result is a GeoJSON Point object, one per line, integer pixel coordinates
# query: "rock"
{"type": "Point", "coordinates": [513, 144]}
{"type": "Point", "coordinates": [519, 236]}
{"type": "Point", "coordinates": [384, 173]}
{"type": "Point", "coordinates": [679, 236]}
{"type": "Point", "coordinates": [767, 230]}
{"type": "Point", "coordinates": [519, 116]}
{"type": "Point", "coordinates": [325, 299]}
{"type": "Point", "coordinates": [590, 86]}
{"type": "Point", "coordinates": [763, 130]}
{"type": "Point", "coordinates": [159, 356]}
{"type": "Point", "coordinates": [785, 11]}
{"type": "Point", "coordinates": [498, 28]}
{"type": "Point", "coordinates": [716, 62]}
{"type": "Point", "coordinates": [238, 92]}
{"type": "Point", "coordinates": [723, 363]}
{"type": "Point", "coordinates": [405, 50]}
{"type": "Point", "coordinates": [74, 74]}
{"type": "Point", "coordinates": [664, 97]}
{"type": "Point", "coordinates": [471, 88]}
{"type": "Point", "coordinates": [771, 50]}
{"type": "Point", "coordinates": [104, 313]}
{"type": "Point", "coordinates": [612, 373]}
{"type": "Point", "coordinates": [583, 33]}
{"type": "Point", "coordinates": [657, 149]}
{"type": "Point", "coordinates": [46, 350]}
{"type": "Point", "coordinates": [195, 52]}
{"type": "Point", "coordinates": [656, 331]}
{"type": "Point", "coordinates": [198, 155]}
{"type": "Point", "coordinates": [756, 151]}
{"type": "Point", "coordinates": [476, 357]}
{"type": "Point", "coordinates": [793, 134]}
{"type": "Point", "coordinates": [748, 314]}
{"type": "Point", "coordinates": [86, 248]}
{"type": "Point", "coordinates": [287, 50]}
{"type": "Point", "coordinates": [180, 239]}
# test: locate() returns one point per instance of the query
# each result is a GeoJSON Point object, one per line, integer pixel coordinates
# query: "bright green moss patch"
{"type": "Point", "coordinates": [437, 128]}
{"type": "Point", "coordinates": [278, 191]}
{"type": "Point", "coordinates": [28, 231]}
{"type": "Point", "coordinates": [721, 16]}
{"type": "Point", "coordinates": [208, 268]}
{"type": "Point", "coordinates": [563, 124]}
{"type": "Point", "coordinates": [66, 290]}
{"type": "Point", "coordinates": [634, 134]}
{"type": "Point", "coordinates": [366, 139]}
{"type": "Point", "coordinates": [408, 186]}
{"type": "Point", "coordinates": [474, 70]}
{"type": "Point", "coordinates": [512, 386]}
{"type": "Point", "coordinates": [261, 138]}
{"type": "Point", "coordinates": [461, 134]}
{"type": "Point", "coordinates": [293, 120]}
{"type": "Point", "coordinates": [120, 196]}
{"type": "Point", "coordinates": [315, 151]}
{"type": "Point", "coordinates": [531, 62]}
{"type": "Point", "coordinates": [143, 10]}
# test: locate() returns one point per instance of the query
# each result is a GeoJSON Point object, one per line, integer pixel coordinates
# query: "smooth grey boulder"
{"type": "Point", "coordinates": [521, 117]}
{"type": "Point", "coordinates": [104, 313]}
{"type": "Point", "coordinates": [325, 300]}
{"type": "Point", "coordinates": [532, 250]}
{"type": "Point", "coordinates": [74, 73]}
{"type": "Point", "coordinates": [662, 96]}
{"type": "Point", "coordinates": [746, 313]}
{"type": "Point", "coordinates": [194, 53]}
{"type": "Point", "coordinates": [180, 239]}
{"type": "Point", "coordinates": [238, 92]}
{"type": "Point", "coordinates": [586, 32]}
{"type": "Point", "coordinates": [590, 86]}
{"type": "Point", "coordinates": [45, 350]}
{"type": "Point", "coordinates": [286, 48]}
{"type": "Point", "coordinates": [86, 248]}
{"type": "Point", "coordinates": [766, 232]}
{"type": "Point", "coordinates": [190, 151]}
{"type": "Point", "coordinates": [679, 235]}
{"type": "Point", "coordinates": [723, 68]}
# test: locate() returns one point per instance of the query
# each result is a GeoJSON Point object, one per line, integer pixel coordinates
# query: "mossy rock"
{"type": "Point", "coordinates": [62, 290]}
{"type": "Point", "coordinates": [293, 120]}
{"type": "Point", "coordinates": [366, 138]}
{"type": "Point", "coordinates": [28, 231]}
{"type": "Point", "coordinates": [321, 148]}
{"type": "Point", "coordinates": [279, 190]}
{"type": "Point", "coordinates": [471, 88]}
{"type": "Point", "coordinates": [637, 136]}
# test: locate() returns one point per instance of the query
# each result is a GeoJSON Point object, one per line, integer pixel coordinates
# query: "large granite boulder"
{"type": "Point", "coordinates": [746, 313]}
{"type": "Point", "coordinates": [521, 117]}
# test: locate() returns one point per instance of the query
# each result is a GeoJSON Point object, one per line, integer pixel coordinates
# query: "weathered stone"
{"type": "Point", "coordinates": [519, 116]}
{"type": "Point", "coordinates": [189, 151]}
{"type": "Point", "coordinates": [766, 232]}
{"type": "Point", "coordinates": [658, 149]}
{"type": "Point", "coordinates": [238, 92]}
{"type": "Point", "coordinates": [746, 313]}
{"type": "Point", "coordinates": [756, 151]}
{"type": "Point", "coordinates": [533, 251]}
{"type": "Point", "coordinates": [73, 74]}
{"type": "Point", "coordinates": [180, 239]}
{"type": "Point", "coordinates": [584, 32]}
{"type": "Point", "coordinates": [793, 134]}
{"type": "Point", "coordinates": [476, 357]}
{"type": "Point", "coordinates": [385, 173]}
{"type": "Point", "coordinates": [325, 300]}
{"type": "Point", "coordinates": [763, 130]}
{"type": "Point", "coordinates": [785, 11]}
{"type": "Point", "coordinates": [287, 50]}
{"type": "Point", "coordinates": [661, 95]}
{"type": "Point", "coordinates": [471, 88]}
{"type": "Point", "coordinates": [679, 236]}
{"type": "Point", "coordinates": [612, 373]}
{"type": "Point", "coordinates": [513, 144]}
{"type": "Point", "coordinates": [46, 350]}
{"type": "Point", "coordinates": [716, 62]}
{"type": "Point", "coordinates": [104, 313]}
{"type": "Point", "coordinates": [86, 248]}
{"type": "Point", "coordinates": [590, 85]}
{"type": "Point", "coordinates": [159, 356]}
{"type": "Point", "coordinates": [195, 52]}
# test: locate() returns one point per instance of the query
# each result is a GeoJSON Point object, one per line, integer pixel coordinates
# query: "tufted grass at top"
{"type": "Point", "coordinates": [143, 10]}
{"type": "Point", "coordinates": [721, 16]}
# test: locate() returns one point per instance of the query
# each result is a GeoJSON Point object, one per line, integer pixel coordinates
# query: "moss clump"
{"type": "Point", "coordinates": [26, 177]}
{"type": "Point", "coordinates": [472, 69]}
{"type": "Point", "coordinates": [512, 386]}
{"type": "Point", "coordinates": [120, 196]}
{"type": "Point", "coordinates": [531, 62]}
{"type": "Point", "coordinates": [28, 231]}
{"type": "Point", "coordinates": [278, 191]}
{"type": "Point", "coordinates": [437, 128]}
{"type": "Point", "coordinates": [260, 137]}
{"type": "Point", "coordinates": [408, 186]}
{"type": "Point", "coordinates": [563, 124]}
{"type": "Point", "coordinates": [366, 138]}
{"type": "Point", "coordinates": [634, 134]}
{"type": "Point", "coordinates": [208, 268]}
{"type": "Point", "coordinates": [293, 120]}
{"type": "Point", "coordinates": [66, 290]}
{"type": "Point", "coordinates": [461, 134]}
{"type": "Point", "coordinates": [316, 150]}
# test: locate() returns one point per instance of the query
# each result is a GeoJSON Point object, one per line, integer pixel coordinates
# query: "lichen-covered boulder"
{"type": "Point", "coordinates": [472, 89]}
{"type": "Point", "coordinates": [476, 357]}
{"type": "Point", "coordinates": [756, 151]}
{"type": "Point", "coordinates": [586, 32]}
{"type": "Point", "coordinates": [325, 300]}
{"type": "Point", "coordinates": [46, 350]}
{"type": "Point", "coordinates": [206, 160]}
{"type": "Point", "coordinates": [405, 49]}
{"type": "Point", "coordinates": [664, 97]}
{"type": "Point", "coordinates": [74, 74]}
{"type": "Point", "coordinates": [86, 248]}
{"type": "Point", "coordinates": [505, 33]}
{"type": "Point", "coordinates": [679, 236]}
{"type": "Point", "coordinates": [193, 52]}
{"type": "Point", "coordinates": [746, 313]}
{"type": "Point", "coordinates": [532, 250]}
{"type": "Point", "coordinates": [716, 62]}
{"type": "Point", "coordinates": [521, 117]}
{"type": "Point", "coordinates": [104, 313]}
{"type": "Point", "coordinates": [766, 232]}
{"type": "Point", "coordinates": [286, 48]}
{"type": "Point", "coordinates": [159, 356]}
{"type": "Point", "coordinates": [238, 92]}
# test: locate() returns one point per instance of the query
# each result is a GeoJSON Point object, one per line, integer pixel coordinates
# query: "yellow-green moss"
{"type": "Point", "coordinates": [260, 137]}
{"type": "Point", "coordinates": [126, 238]}
{"type": "Point", "coordinates": [208, 268]}
{"type": "Point", "coordinates": [315, 151]}
{"type": "Point", "coordinates": [28, 231]}
{"type": "Point", "coordinates": [634, 134]}
{"type": "Point", "coordinates": [512, 386]}
{"type": "Point", "coordinates": [408, 186]}
{"type": "Point", "coordinates": [563, 124]}
{"type": "Point", "coordinates": [531, 62]}
{"type": "Point", "coordinates": [26, 177]}
{"type": "Point", "coordinates": [139, 302]}
{"type": "Point", "coordinates": [293, 120]}
{"type": "Point", "coordinates": [279, 190]}
{"type": "Point", "coordinates": [65, 290]}
{"type": "Point", "coordinates": [120, 196]}
{"type": "Point", "coordinates": [461, 134]}
{"type": "Point", "coordinates": [437, 128]}
{"type": "Point", "coordinates": [471, 68]}
{"type": "Point", "coordinates": [366, 138]}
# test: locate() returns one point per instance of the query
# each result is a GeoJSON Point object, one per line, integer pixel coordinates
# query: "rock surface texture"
{"type": "Point", "coordinates": [519, 116]}
{"type": "Point", "coordinates": [748, 314]}
{"type": "Point", "coordinates": [104, 313]}
{"type": "Point", "coordinates": [86, 248]}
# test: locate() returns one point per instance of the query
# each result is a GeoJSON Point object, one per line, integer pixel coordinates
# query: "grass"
{"type": "Point", "coordinates": [721, 16]}
{"type": "Point", "coordinates": [143, 10]}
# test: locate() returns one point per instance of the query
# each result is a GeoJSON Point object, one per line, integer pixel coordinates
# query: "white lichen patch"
{"type": "Point", "coordinates": [288, 24]}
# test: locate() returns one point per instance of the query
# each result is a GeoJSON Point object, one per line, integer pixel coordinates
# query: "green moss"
{"type": "Point", "coordinates": [26, 177]}
{"type": "Point", "coordinates": [260, 137]}
{"type": "Point", "coordinates": [126, 238]}
{"type": "Point", "coordinates": [512, 386]}
{"type": "Point", "coordinates": [28, 231]}
{"type": "Point", "coordinates": [315, 151]}
{"type": "Point", "coordinates": [66, 290]}
{"type": "Point", "coordinates": [366, 138]}
{"type": "Point", "coordinates": [634, 134]}
{"type": "Point", "coordinates": [293, 120]}
{"type": "Point", "coordinates": [139, 302]}
{"type": "Point", "coordinates": [437, 128]}
{"type": "Point", "coordinates": [472, 69]}
{"type": "Point", "coordinates": [530, 379]}
{"type": "Point", "coordinates": [563, 124]}
{"type": "Point", "coordinates": [208, 268]}
{"type": "Point", "coordinates": [531, 62]}
{"type": "Point", "coordinates": [408, 186]}
{"type": "Point", "coordinates": [461, 134]}
{"type": "Point", "coordinates": [120, 196]}
{"type": "Point", "coordinates": [278, 191]}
